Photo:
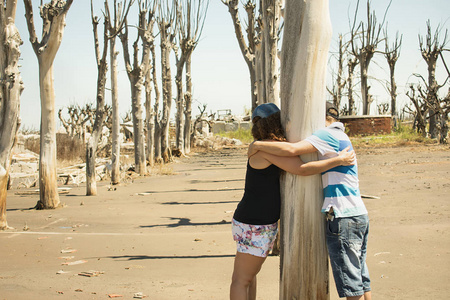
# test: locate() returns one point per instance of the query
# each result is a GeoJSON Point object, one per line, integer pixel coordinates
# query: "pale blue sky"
{"type": "Point", "coordinates": [220, 75]}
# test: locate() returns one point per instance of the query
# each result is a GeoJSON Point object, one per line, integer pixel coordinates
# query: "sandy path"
{"type": "Point", "coordinates": [169, 236]}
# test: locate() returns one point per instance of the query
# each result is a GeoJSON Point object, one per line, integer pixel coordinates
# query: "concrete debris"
{"type": "Point", "coordinates": [91, 273]}
{"type": "Point", "coordinates": [72, 263]}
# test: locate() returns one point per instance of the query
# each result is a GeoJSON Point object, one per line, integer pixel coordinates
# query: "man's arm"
{"type": "Point", "coordinates": [281, 148]}
{"type": "Point", "coordinates": [295, 165]}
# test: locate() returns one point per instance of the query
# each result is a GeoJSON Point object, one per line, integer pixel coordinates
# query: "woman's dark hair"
{"type": "Point", "coordinates": [268, 128]}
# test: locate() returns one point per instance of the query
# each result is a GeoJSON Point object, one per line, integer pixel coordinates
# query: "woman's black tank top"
{"type": "Point", "coordinates": [260, 204]}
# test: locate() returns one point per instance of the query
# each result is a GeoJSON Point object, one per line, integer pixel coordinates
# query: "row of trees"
{"type": "Point", "coordinates": [259, 46]}
{"type": "Point", "coordinates": [178, 24]}
{"type": "Point", "coordinates": [428, 106]}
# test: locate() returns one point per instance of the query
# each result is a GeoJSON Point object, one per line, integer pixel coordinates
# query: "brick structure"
{"type": "Point", "coordinates": [367, 125]}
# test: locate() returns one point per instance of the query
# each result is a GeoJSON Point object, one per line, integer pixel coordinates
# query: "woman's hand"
{"type": "Point", "coordinates": [348, 158]}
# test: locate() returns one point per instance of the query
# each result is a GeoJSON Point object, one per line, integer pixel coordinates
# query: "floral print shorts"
{"type": "Point", "coordinates": [256, 240]}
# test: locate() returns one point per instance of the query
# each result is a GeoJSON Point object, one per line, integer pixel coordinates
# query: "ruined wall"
{"type": "Point", "coordinates": [367, 125]}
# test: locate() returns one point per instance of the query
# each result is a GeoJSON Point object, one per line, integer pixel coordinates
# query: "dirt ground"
{"type": "Point", "coordinates": [168, 237]}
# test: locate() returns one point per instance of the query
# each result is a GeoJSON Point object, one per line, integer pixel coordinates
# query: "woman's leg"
{"type": "Point", "coordinates": [246, 266]}
{"type": "Point", "coordinates": [251, 294]}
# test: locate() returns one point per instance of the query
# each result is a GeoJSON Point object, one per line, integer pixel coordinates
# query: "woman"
{"type": "Point", "coordinates": [255, 219]}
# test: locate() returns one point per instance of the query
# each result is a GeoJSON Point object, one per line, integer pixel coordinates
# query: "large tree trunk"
{"type": "Point", "coordinates": [53, 15]}
{"type": "Point", "coordinates": [11, 86]}
{"type": "Point", "coordinates": [149, 119]}
{"type": "Point", "coordinates": [138, 127]}
{"type": "Point", "coordinates": [115, 151]}
{"type": "Point", "coordinates": [48, 187]}
{"type": "Point", "coordinates": [180, 101]}
{"type": "Point", "coordinates": [167, 99]}
{"type": "Point", "coordinates": [156, 117]}
{"type": "Point", "coordinates": [304, 262]}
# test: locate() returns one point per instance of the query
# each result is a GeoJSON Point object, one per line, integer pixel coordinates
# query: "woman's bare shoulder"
{"type": "Point", "coordinates": [257, 161]}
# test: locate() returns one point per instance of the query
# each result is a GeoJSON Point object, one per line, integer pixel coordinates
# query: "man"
{"type": "Point", "coordinates": [346, 214]}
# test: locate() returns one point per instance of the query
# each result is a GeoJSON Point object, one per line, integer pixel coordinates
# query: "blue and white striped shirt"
{"type": "Point", "coordinates": [340, 184]}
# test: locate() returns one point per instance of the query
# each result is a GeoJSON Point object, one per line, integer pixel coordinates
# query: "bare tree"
{"type": "Point", "coordinates": [392, 54]}
{"type": "Point", "coordinates": [260, 47]}
{"type": "Point", "coordinates": [306, 38]}
{"type": "Point", "coordinates": [339, 82]}
{"type": "Point", "coordinates": [270, 20]}
{"type": "Point", "coordinates": [167, 30]}
{"type": "Point", "coordinates": [53, 16]}
{"type": "Point", "coordinates": [417, 97]}
{"type": "Point", "coordinates": [79, 121]}
{"type": "Point", "coordinates": [192, 37]}
{"type": "Point", "coordinates": [150, 47]}
{"type": "Point", "coordinates": [364, 41]}
{"type": "Point", "coordinates": [153, 126]}
{"type": "Point", "coordinates": [351, 65]}
{"type": "Point", "coordinates": [248, 49]}
{"type": "Point", "coordinates": [11, 87]}
{"type": "Point", "coordinates": [431, 48]}
{"type": "Point", "coordinates": [100, 113]}
{"type": "Point", "coordinates": [191, 18]}
{"type": "Point", "coordinates": [136, 74]}
{"type": "Point", "coordinates": [116, 21]}
{"type": "Point", "coordinates": [149, 117]}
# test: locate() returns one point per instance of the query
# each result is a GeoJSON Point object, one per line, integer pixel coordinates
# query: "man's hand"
{"type": "Point", "coordinates": [348, 158]}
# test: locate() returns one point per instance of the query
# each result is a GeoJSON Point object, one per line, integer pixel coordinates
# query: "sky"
{"type": "Point", "coordinates": [219, 73]}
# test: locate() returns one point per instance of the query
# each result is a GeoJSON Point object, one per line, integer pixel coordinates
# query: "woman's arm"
{"type": "Point", "coordinates": [295, 165]}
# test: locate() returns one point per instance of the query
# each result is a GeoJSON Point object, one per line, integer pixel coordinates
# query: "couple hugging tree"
{"type": "Point", "coordinates": [255, 221]}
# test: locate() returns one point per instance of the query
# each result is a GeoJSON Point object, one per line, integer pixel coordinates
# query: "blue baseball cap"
{"type": "Point", "coordinates": [265, 110]}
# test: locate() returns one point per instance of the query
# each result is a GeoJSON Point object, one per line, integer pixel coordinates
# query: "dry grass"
{"type": "Point", "coordinates": [69, 150]}
{"type": "Point", "coordinates": [161, 169]}
{"type": "Point", "coordinates": [404, 135]}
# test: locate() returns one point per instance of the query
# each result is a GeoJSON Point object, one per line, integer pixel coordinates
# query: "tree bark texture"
{"type": "Point", "coordinates": [156, 116]}
{"type": "Point", "coordinates": [188, 107]}
{"type": "Point", "coordinates": [149, 119]}
{"type": "Point", "coordinates": [340, 81]}
{"type": "Point", "coordinates": [115, 150]}
{"type": "Point", "coordinates": [11, 87]}
{"type": "Point", "coordinates": [304, 261]}
{"type": "Point", "coordinates": [180, 102]}
{"type": "Point", "coordinates": [167, 99]}
{"type": "Point", "coordinates": [100, 113]}
{"type": "Point", "coordinates": [271, 15]}
{"type": "Point", "coordinates": [365, 95]}
{"type": "Point", "coordinates": [53, 23]}
{"type": "Point", "coordinates": [167, 35]}
{"type": "Point", "coordinates": [351, 101]}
